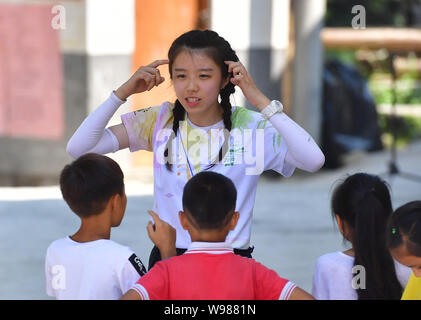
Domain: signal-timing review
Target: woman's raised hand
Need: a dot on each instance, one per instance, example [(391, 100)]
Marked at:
[(144, 79), (240, 77)]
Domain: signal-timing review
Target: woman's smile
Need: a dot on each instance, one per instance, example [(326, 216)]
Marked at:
[(192, 101)]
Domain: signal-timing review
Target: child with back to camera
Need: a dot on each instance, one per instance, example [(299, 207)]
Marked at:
[(209, 269), (201, 131), (88, 265), (361, 205), (404, 242)]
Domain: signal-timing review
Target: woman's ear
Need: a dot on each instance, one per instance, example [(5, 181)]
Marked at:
[(225, 81)]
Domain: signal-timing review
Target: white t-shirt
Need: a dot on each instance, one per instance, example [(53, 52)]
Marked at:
[(254, 146), (100, 270), (333, 277)]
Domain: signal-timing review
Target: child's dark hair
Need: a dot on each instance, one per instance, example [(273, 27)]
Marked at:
[(219, 50), (209, 198), (89, 182), (404, 228), (363, 202)]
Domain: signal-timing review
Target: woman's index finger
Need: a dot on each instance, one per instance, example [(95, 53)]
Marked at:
[(158, 63), (231, 64)]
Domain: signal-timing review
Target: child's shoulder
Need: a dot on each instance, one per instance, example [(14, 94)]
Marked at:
[(332, 256), (116, 249), (59, 243), (109, 247), (335, 260)]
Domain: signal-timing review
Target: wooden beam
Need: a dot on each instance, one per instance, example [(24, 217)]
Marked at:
[(392, 39)]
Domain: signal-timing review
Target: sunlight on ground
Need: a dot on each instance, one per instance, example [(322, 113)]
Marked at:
[(53, 192)]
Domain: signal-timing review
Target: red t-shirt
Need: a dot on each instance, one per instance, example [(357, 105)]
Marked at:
[(211, 271)]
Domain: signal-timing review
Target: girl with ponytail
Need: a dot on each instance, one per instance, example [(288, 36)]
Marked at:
[(403, 236), (201, 131), (361, 206)]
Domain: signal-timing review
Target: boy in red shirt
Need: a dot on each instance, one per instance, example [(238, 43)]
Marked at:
[(209, 269)]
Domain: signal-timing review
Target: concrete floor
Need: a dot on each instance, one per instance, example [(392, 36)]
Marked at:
[(287, 239)]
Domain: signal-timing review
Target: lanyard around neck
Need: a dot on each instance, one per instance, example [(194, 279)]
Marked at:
[(185, 124), (186, 154)]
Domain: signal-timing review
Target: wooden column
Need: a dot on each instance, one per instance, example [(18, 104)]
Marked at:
[(158, 23)]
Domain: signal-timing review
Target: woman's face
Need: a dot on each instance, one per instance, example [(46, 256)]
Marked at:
[(403, 256), (197, 81)]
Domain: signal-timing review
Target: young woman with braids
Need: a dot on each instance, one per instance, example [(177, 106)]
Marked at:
[(204, 70)]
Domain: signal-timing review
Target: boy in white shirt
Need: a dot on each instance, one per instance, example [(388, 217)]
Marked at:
[(88, 265)]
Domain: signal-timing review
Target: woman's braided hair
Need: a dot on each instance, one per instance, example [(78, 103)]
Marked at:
[(219, 50)]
